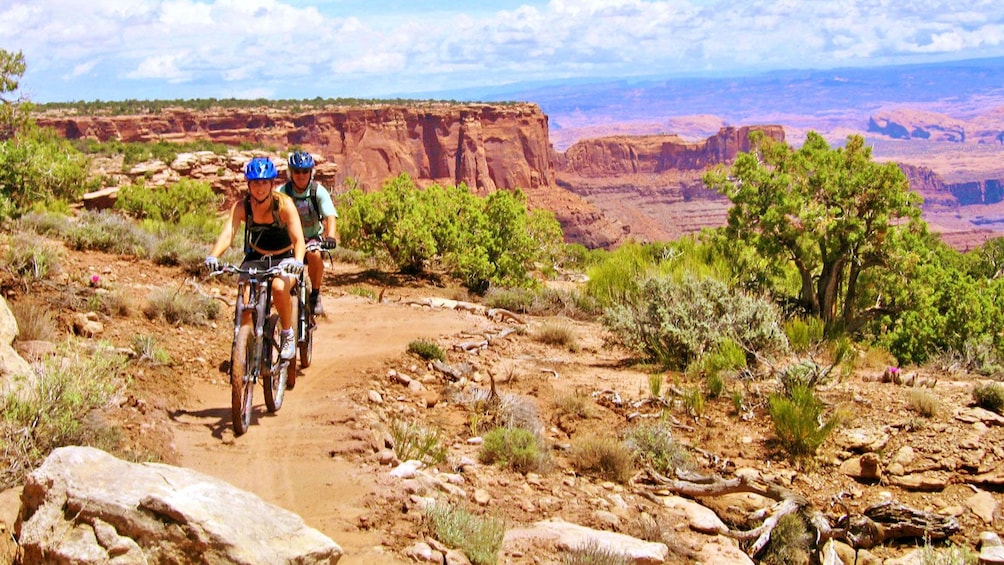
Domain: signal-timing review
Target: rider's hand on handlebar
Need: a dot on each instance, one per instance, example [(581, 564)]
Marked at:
[(329, 243), (291, 266), (212, 264)]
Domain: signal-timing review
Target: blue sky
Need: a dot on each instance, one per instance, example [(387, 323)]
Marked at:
[(145, 49)]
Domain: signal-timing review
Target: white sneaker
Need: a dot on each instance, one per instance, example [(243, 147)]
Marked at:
[(287, 345)]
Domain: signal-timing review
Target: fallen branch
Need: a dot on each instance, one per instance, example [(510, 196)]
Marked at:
[(877, 524)]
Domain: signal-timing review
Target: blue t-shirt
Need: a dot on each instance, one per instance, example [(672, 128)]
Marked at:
[(310, 220)]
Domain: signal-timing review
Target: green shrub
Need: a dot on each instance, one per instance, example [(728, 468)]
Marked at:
[(479, 537), (604, 457), (426, 350), (54, 411), (653, 444), (513, 448), (715, 385), (675, 322), (30, 258), (172, 203), (796, 418), (790, 542), (110, 232), (146, 350), (416, 441), (989, 395), (804, 333)]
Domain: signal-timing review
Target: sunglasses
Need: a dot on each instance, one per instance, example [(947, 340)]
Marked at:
[(300, 171)]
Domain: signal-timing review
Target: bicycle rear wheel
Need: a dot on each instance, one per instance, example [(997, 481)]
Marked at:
[(297, 312), (241, 386), (306, 341), (273, 372)]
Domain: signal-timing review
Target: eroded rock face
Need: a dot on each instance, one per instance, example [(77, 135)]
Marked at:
[(487, 147), (85, 506)]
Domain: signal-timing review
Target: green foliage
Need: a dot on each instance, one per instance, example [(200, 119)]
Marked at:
[(790, 542), (38, 166), (426, 350), (171, 203), (52, 413), (796, 417), (675, 322), (416, 441), (479, 537), (804, 333), (989, 395), (518, 449), (828, 212), (13, 113), (146, 350), (614, 280), (603, 456), (482, 241), (138, 152), (653, 445), (30, 258), (110, 232)]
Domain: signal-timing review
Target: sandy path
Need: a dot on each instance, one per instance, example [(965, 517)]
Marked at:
[(286, 458)]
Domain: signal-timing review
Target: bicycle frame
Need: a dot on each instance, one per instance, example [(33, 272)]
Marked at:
[(254, 354)]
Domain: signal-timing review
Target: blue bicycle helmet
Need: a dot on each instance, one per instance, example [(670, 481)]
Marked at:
[(260, 168), (301, 160)]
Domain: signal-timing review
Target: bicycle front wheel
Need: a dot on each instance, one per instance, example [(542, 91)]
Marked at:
[(273, 370), (241, 385)]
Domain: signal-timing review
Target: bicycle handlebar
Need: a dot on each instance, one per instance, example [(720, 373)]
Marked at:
[(226, 269)]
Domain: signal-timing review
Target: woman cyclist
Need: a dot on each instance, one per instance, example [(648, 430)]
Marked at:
[(272, 235)]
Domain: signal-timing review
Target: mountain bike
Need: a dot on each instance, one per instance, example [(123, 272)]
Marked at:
[(254, 356), (303, 313)]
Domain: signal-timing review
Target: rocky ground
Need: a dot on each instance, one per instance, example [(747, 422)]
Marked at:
[(325, 457)]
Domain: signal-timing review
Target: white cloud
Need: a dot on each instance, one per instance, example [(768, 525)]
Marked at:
[(351, 47)]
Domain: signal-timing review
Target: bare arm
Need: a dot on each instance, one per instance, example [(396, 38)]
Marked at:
[(226, 236), (330, 229)]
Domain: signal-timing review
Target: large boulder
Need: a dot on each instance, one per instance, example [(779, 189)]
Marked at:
[(13, 368), (85, 506)]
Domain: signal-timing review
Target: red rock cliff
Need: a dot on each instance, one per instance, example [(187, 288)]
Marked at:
[(484, 146), (655, 154)]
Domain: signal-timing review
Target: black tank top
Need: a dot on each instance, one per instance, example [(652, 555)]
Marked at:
[(265, 239)]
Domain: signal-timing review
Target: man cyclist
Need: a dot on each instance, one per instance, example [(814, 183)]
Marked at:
[(317, 217), (272, 235)]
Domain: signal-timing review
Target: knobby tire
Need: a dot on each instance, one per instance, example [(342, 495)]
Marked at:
[(291, 370), (273, 375), (306, 343), (242, 389)]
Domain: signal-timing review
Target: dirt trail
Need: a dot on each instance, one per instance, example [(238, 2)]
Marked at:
[(291, 458)]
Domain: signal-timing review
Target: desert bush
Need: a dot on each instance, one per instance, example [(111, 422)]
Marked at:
[(604, 457), (115, 302), (715, 384), (34, 321), (576, 404), (518, 300), (592, 553), (147, 350), (416, 441), (514, 448), (176, 307), (171, 204), (53, 411), (557, 333), (426, 350), (694, 401), (38, 166), (43, 222), (479, 537), (923, 403), (796, 417), (804, 333), (110, 232), (951, 555), (790, 542), (30, 258), (653, 444), (655, 381), (989, 395), (675, 322)]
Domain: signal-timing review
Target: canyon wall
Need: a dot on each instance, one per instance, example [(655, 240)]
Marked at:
[(486, 147)]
